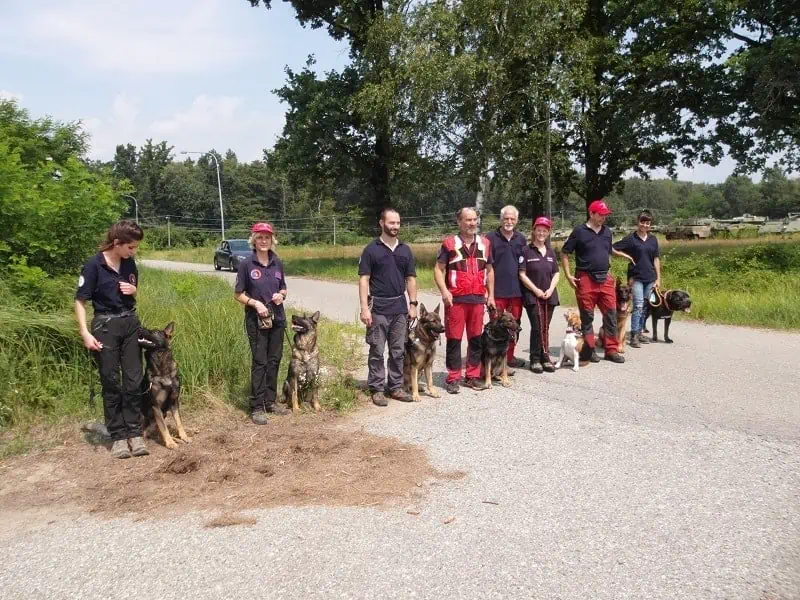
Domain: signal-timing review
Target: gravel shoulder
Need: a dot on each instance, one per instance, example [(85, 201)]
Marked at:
[(675, 475)]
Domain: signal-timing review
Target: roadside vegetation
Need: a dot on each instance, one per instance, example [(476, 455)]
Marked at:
[(732, 282), (45, 371)]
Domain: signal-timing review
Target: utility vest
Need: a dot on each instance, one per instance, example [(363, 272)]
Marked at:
[(466, 273)]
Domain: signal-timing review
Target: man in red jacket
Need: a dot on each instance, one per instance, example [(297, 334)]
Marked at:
[(465, 278)]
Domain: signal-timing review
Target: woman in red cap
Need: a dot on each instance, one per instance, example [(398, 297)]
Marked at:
[(538, 272), (261, 287)]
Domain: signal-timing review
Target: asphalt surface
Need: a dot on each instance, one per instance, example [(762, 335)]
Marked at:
[(675, 475)]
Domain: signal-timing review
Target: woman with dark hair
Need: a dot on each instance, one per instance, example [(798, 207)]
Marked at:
[(644, 272), (538, 273), (110, 279), (261, 287)]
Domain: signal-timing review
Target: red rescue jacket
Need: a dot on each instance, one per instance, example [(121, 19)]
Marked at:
[(465, 273)]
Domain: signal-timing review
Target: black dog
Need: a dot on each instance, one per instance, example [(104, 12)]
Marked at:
[(302, 380), (163, 387), (665, 304), (497, 335)]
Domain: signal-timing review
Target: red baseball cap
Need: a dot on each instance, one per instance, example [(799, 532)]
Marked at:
[(262, 228), (544, 222), (599, 207)]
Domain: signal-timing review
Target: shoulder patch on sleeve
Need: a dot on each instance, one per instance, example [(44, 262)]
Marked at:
[(81, 281), (521, 259)]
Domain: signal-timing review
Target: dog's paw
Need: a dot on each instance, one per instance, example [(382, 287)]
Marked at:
[(621, 350), (416, 398), (434, 394), (506, 384), (171, 444), (185, 439), (576, 367)]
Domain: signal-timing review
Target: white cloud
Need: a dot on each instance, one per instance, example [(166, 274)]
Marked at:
[(218, 122), (143, 37), (6, 95)]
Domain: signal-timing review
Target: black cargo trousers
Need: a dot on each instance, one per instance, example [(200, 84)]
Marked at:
[(120, 365)]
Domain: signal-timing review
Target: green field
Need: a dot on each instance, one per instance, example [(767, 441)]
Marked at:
[(45, 371), (734, 282)]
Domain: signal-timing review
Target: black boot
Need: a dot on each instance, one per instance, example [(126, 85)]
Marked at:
[(635, 340)]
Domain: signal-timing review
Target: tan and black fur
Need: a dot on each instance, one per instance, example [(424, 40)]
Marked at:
[(497, 335), (163, 383), (302, 381), (624, 310), (420, 352)]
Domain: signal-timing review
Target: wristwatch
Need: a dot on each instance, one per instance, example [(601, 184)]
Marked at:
[(414, 303)]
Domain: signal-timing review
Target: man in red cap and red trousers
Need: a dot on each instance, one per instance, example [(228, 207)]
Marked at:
[(593, 282)]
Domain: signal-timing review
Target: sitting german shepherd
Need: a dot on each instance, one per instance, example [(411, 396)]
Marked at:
[(164, 384), (302, 380), (420, 352), (624, 309), (497, 335)]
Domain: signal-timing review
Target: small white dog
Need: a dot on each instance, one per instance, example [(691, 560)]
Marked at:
[(572, 344)]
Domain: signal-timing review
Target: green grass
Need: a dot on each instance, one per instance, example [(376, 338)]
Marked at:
[(45, 371), (734, 282)]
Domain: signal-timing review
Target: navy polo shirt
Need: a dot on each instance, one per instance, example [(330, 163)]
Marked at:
[(644, 252), (100, 284), (540, 269), (504, 254), (387, 272), (261, 282), (592, 250)]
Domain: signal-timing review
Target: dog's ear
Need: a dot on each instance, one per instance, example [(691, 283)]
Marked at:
[(422, 310), (169, 329), (315, 317), (436, 310)]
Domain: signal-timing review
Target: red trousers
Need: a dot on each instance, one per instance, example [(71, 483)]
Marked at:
[(514, 306), (604, 296), (457, 318)]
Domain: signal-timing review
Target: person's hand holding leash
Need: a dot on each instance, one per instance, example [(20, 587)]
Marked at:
[(491, 303), (127, 288), (90, 342), (412, 312), (366, 317)]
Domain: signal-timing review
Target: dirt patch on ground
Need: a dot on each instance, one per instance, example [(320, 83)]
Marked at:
[(230, 465)]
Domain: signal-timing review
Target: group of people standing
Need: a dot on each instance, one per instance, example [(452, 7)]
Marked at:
[(501, 270)]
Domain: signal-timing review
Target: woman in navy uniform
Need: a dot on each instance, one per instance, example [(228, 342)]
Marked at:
[(110, 280), (261, 287), (538, 272)]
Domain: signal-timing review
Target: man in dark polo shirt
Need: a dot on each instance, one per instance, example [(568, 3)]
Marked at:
[(386, 270), (593, 282), (507, 244)]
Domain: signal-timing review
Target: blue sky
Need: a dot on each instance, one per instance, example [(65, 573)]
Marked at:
[(198, 74)]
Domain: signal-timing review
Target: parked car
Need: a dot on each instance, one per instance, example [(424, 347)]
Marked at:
[(230, 253)]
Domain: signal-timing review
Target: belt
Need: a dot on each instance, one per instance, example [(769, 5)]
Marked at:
[(118, 315)]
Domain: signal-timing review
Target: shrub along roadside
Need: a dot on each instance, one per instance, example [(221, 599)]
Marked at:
[(45, 371)]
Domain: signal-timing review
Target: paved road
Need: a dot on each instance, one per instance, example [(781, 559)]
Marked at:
[(676, 475)]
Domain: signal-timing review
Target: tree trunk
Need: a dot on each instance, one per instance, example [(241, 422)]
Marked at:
[(380, 177)]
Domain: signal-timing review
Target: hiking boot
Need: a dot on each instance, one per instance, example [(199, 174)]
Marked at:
[(635, 341), (615, 357), (277, 408), (476, 384), (378, 399), (594, 358), (259, 416), (536, 367), (452, 387), (548, 367), (137, 446), (643, 339), (119, 449), (516, 363), (400, 395)]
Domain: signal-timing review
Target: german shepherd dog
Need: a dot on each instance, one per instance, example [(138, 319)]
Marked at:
[(497, 335), (624, 309), (302, 380), (665, 304), (164, 385), (420, 352)]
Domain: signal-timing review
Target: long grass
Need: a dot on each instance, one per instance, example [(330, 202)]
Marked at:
[(736, 282), (45, 371)]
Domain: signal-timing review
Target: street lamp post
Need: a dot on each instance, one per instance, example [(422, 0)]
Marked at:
[(135, 203), (219, 186)]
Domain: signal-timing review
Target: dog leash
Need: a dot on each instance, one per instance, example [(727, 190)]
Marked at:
[(661, 297)]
